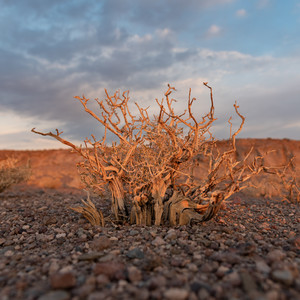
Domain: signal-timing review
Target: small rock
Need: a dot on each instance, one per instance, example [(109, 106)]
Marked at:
[(60, 235), (152, 262), (177, 262), (222, 270), (262, 267), (141, 294), (66, 269), (246, 248), (108, 257), (9, 253), (171, 235), (97, 296), (233, 278), (54, 267), (158, 241), (296, 242), (133, 232), (265, 226), (113, 270), (226, 257), (207, 268), (283, 276), (62, 280), (101, 243), (192, 267), (257, 237), (248, 282), (203, 294), (134, 274), (90, 256), (157, 282), (272, 295), (275, 255), (153, 233), (292, 234), (176, 294), (214, 245), (102, 280), (55, 295), (196, 286), (135, 253), (84, 291), (49, 220)]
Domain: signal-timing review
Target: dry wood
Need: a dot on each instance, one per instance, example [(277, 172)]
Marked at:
[(150, 167)]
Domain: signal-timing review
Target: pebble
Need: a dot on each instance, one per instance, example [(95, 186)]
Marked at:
[(135, 253), (133, 232), (233, 278), (176, 294), (284, 276), (113, 270), (262, 267), (97, 296), (62, 280), (157, 282), (101, 243), (60, 235), (222, 270), (248, 282), (90, 256), (158, 241), (203, 294), (8, 253), (275, 255), (55, 295), (102, 280), (134, 274), (226, 257), (171, 235), (196, 286), (296, 242)]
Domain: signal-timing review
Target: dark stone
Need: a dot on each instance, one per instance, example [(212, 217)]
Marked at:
[(197, 285), (135, 253)]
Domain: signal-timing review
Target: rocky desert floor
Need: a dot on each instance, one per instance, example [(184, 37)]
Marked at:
[(47, 251)]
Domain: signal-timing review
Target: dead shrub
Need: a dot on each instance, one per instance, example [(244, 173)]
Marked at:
[(150, 168), (11, 173)]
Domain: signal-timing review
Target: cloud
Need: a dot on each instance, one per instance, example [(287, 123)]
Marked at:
[(241, 13), (60, 50), (261, 4), (213, 30), (145, 64)]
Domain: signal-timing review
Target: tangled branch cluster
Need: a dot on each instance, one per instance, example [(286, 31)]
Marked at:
[(149, 168)]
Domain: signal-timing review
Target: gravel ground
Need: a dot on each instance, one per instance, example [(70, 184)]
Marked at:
[(250, 251)]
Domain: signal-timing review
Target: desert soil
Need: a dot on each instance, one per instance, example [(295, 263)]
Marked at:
[(250, 251)]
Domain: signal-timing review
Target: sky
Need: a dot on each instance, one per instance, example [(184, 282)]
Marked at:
[(51, 51)]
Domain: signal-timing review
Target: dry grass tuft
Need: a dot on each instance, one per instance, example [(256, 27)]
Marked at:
[(11, 174), (90, 212)]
